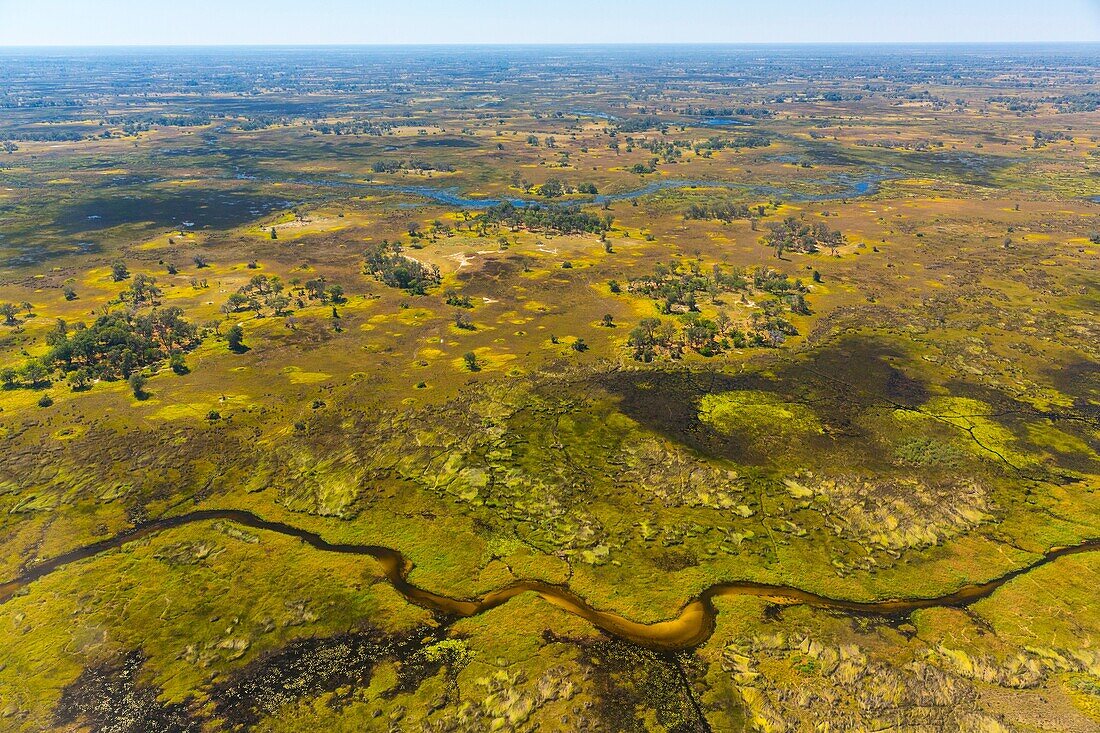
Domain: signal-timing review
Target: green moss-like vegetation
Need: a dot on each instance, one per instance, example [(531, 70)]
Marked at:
[(757, 415)]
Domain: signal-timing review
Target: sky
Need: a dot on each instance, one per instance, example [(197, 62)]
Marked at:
[(304, 22)]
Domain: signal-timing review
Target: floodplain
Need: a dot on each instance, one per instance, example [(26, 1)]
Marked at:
[(570, 388)]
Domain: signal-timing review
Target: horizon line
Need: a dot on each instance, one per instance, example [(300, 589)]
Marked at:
[(549, 44)]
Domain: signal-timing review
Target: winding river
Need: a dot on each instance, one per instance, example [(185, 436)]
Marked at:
[(691, 627)]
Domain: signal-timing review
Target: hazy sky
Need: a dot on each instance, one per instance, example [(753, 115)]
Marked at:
[(138, 22)]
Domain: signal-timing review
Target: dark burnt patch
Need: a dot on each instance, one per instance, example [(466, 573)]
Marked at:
[(668, 403), (850, 375), (1080, 379), (837, 382), (634, 683), (308, 667), (414, 671), (107, 699), (446, 142), (905, 390), (202, 209), (1024, 421), (674, 560)]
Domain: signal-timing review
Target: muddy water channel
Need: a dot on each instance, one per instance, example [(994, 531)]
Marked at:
[(694, 624)]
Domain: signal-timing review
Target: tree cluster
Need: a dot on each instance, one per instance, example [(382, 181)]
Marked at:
[(675, 288), (725, 112), (417, 165), (639, 124), (653, 337), (795, 236), (737, 142), (351, 128), (258, 293), (115, 346), (723, 212), (386, 264), (560, 219)]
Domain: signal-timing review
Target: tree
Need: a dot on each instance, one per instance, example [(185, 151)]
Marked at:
[(201, 261), (315, 288), (68, 292), (463, 321), (234, 303), (177, 363), (608, 321), (137, 385), (274, 235), (235, 337), (119, 342), (119, 271), (280, 303), (142, 289), (551, 189), (59, 336), (470, 358), (8, 311), (35, 372), (579, 345), (78, 379), (644, 338), (799, 305)]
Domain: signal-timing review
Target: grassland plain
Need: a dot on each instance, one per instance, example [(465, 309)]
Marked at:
[(846, 348)]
